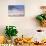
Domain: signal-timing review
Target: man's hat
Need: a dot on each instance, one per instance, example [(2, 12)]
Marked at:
[(42, 7)]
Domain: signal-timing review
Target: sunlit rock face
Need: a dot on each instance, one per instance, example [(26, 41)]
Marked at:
[(2, 38)]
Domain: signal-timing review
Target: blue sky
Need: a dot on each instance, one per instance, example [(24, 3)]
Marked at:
[(16, 7)]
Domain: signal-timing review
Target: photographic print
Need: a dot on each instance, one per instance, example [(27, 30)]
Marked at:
[(15, 10)]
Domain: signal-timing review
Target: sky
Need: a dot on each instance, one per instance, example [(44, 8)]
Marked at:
[(16, 7)]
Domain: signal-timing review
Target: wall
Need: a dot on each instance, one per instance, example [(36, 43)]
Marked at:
[(26, 25)]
